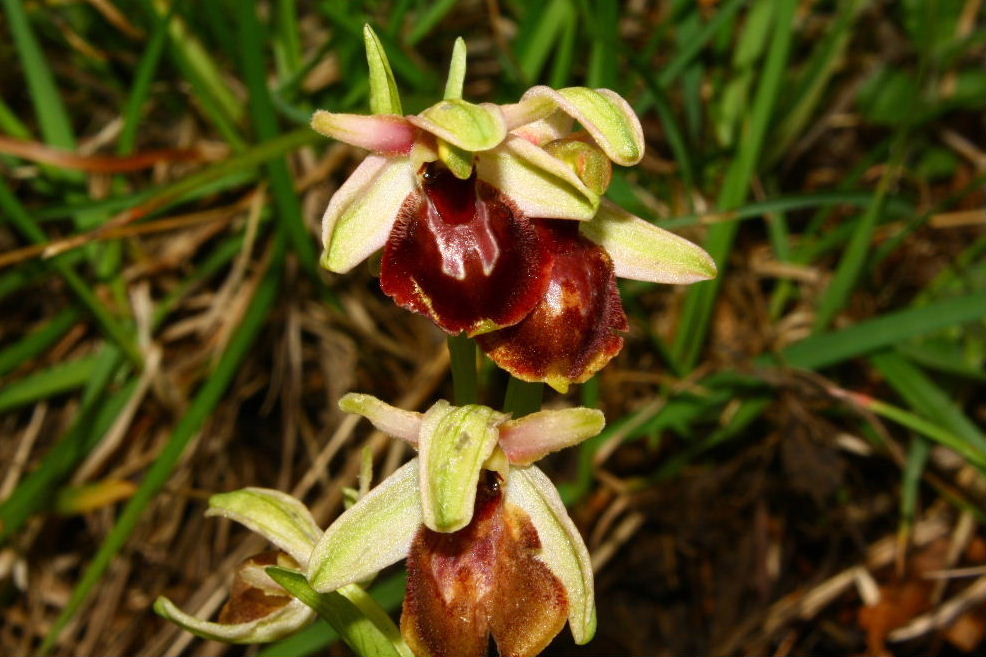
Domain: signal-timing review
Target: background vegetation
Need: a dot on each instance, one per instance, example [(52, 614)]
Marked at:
[(794, 457)]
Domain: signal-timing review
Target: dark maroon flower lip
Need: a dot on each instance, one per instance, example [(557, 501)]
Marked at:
[(463, 255), (573, 331)]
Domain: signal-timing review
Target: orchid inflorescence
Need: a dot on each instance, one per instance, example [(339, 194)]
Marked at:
[(492, 223)]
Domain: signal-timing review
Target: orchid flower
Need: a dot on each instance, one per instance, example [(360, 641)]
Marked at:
[(492, 221), (489, 545), (258, 610)]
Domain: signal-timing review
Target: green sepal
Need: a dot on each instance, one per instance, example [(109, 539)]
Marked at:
[(456, 71), (374, 533), (278, 517), (384, 98)]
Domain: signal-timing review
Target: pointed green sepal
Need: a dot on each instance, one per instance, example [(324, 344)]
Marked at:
[(454, 443), (361, 213), (643, 252), (384, 98), (284, 622), (456, 71), (374, 533), (278, 517)]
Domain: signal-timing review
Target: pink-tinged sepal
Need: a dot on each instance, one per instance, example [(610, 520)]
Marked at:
[(462, 255), (532, 437), (362, 212), (574, 329), (386, 134)]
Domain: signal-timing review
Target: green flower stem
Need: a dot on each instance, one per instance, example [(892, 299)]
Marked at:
[(360, 621), (522, 398), (462, 351)]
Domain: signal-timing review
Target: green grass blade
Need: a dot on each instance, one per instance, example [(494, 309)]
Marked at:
[(287, 47), (533, 53), (697, 41), (825, 349), (701, 298), (11, 124), (943, 355), (26, 224), (562, 62), (854, 259), (62, 377), (95, 416), (893, 205), (975, 456), (925, 397), (917, 458), (141, 86), (462, 352), (188, 427), (289, 219), (432, 15), (53, 117), (604, 26), (825, 62), (37, 340), (735, 93), (215, 99)]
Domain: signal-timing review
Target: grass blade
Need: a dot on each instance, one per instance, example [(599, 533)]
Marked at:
[(65, 376), (26, 224), (697, 311), (925, 397), (93, 420), (289, 220), (48, 106), (37, 341), (825, 349)]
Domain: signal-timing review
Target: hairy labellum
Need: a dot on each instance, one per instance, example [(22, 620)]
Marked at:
[(572, 332), (482, 580)]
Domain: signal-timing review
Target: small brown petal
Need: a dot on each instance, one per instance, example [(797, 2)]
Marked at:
[(482, 579), (462, 255), (247, 601), (573, 331)]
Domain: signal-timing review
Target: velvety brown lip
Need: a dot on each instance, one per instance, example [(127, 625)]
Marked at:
[(480, 581), (574, 329)]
